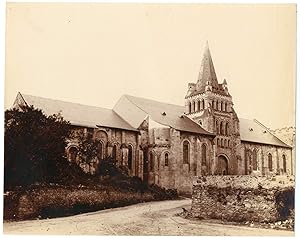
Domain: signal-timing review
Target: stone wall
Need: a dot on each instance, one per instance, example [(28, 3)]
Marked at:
[(109, 138), (243, 198), (176, 173), (288, 135)]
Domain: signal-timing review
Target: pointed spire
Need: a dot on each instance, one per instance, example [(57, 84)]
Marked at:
[(207, 71)]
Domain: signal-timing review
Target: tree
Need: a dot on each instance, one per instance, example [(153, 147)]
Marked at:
[(34, 146), (87, 147)]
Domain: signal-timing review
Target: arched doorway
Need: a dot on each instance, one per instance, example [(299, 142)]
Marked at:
[(222, 165)]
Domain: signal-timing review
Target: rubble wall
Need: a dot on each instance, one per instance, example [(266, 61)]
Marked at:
[(243, 198)]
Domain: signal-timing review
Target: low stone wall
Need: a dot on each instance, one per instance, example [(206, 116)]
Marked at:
[(243, 198)]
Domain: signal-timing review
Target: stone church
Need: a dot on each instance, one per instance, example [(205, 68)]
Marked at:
[(167, 144)]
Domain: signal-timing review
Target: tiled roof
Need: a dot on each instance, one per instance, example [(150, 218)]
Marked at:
[(78, 114), (254, 131), (135, 109)]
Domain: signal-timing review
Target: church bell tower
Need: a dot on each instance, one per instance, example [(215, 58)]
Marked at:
[(210, 105)]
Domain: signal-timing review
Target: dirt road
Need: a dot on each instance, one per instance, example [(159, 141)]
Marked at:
[(153, 218)]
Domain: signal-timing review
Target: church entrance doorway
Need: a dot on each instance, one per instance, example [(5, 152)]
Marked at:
[(222, 165)]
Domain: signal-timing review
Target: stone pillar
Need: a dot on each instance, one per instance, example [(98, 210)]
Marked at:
[(175, 159), (138, 157), (187, 106), (124, 150), (263, 171), (199, 163), (214, 160), (141, 164), (277, 162), (195, 157)]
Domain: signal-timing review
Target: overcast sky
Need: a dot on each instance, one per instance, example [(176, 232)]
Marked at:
[(94, 53)]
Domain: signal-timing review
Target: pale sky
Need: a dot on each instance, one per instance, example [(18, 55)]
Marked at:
[(93, 53)]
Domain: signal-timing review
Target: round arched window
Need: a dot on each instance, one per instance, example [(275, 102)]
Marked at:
[(166, 159)]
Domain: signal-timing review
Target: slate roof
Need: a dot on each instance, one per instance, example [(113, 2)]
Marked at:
[(130, 111), (78, 114), (135, 109), (256, 132), (207, 70)]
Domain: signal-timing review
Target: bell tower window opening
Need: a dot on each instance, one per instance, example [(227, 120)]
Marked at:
[(221, 128), (193, 106)]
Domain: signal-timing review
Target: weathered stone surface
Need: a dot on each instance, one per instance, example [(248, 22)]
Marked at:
[(243, 198)]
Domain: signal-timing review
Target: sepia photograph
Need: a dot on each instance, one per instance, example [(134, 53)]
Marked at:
[(149, 119)]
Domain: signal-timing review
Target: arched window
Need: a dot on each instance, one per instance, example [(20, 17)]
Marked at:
[(203, 104), (228, 143), (100, 150), (217, 127), (218, 142), (254, 160), (226, 110), (130, 157), (151, 158), (166, 159), (193, 106), (284, 163), (225, 143), (270, 162), (114, 152), (227, 129), (186, 152), (213, 104), (73, 153), (221, 106), (203, 154), (221, 128), (198, 103), (190, 107), (222, 143)]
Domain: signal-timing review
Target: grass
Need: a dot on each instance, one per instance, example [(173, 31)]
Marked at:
[(76, 192)]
